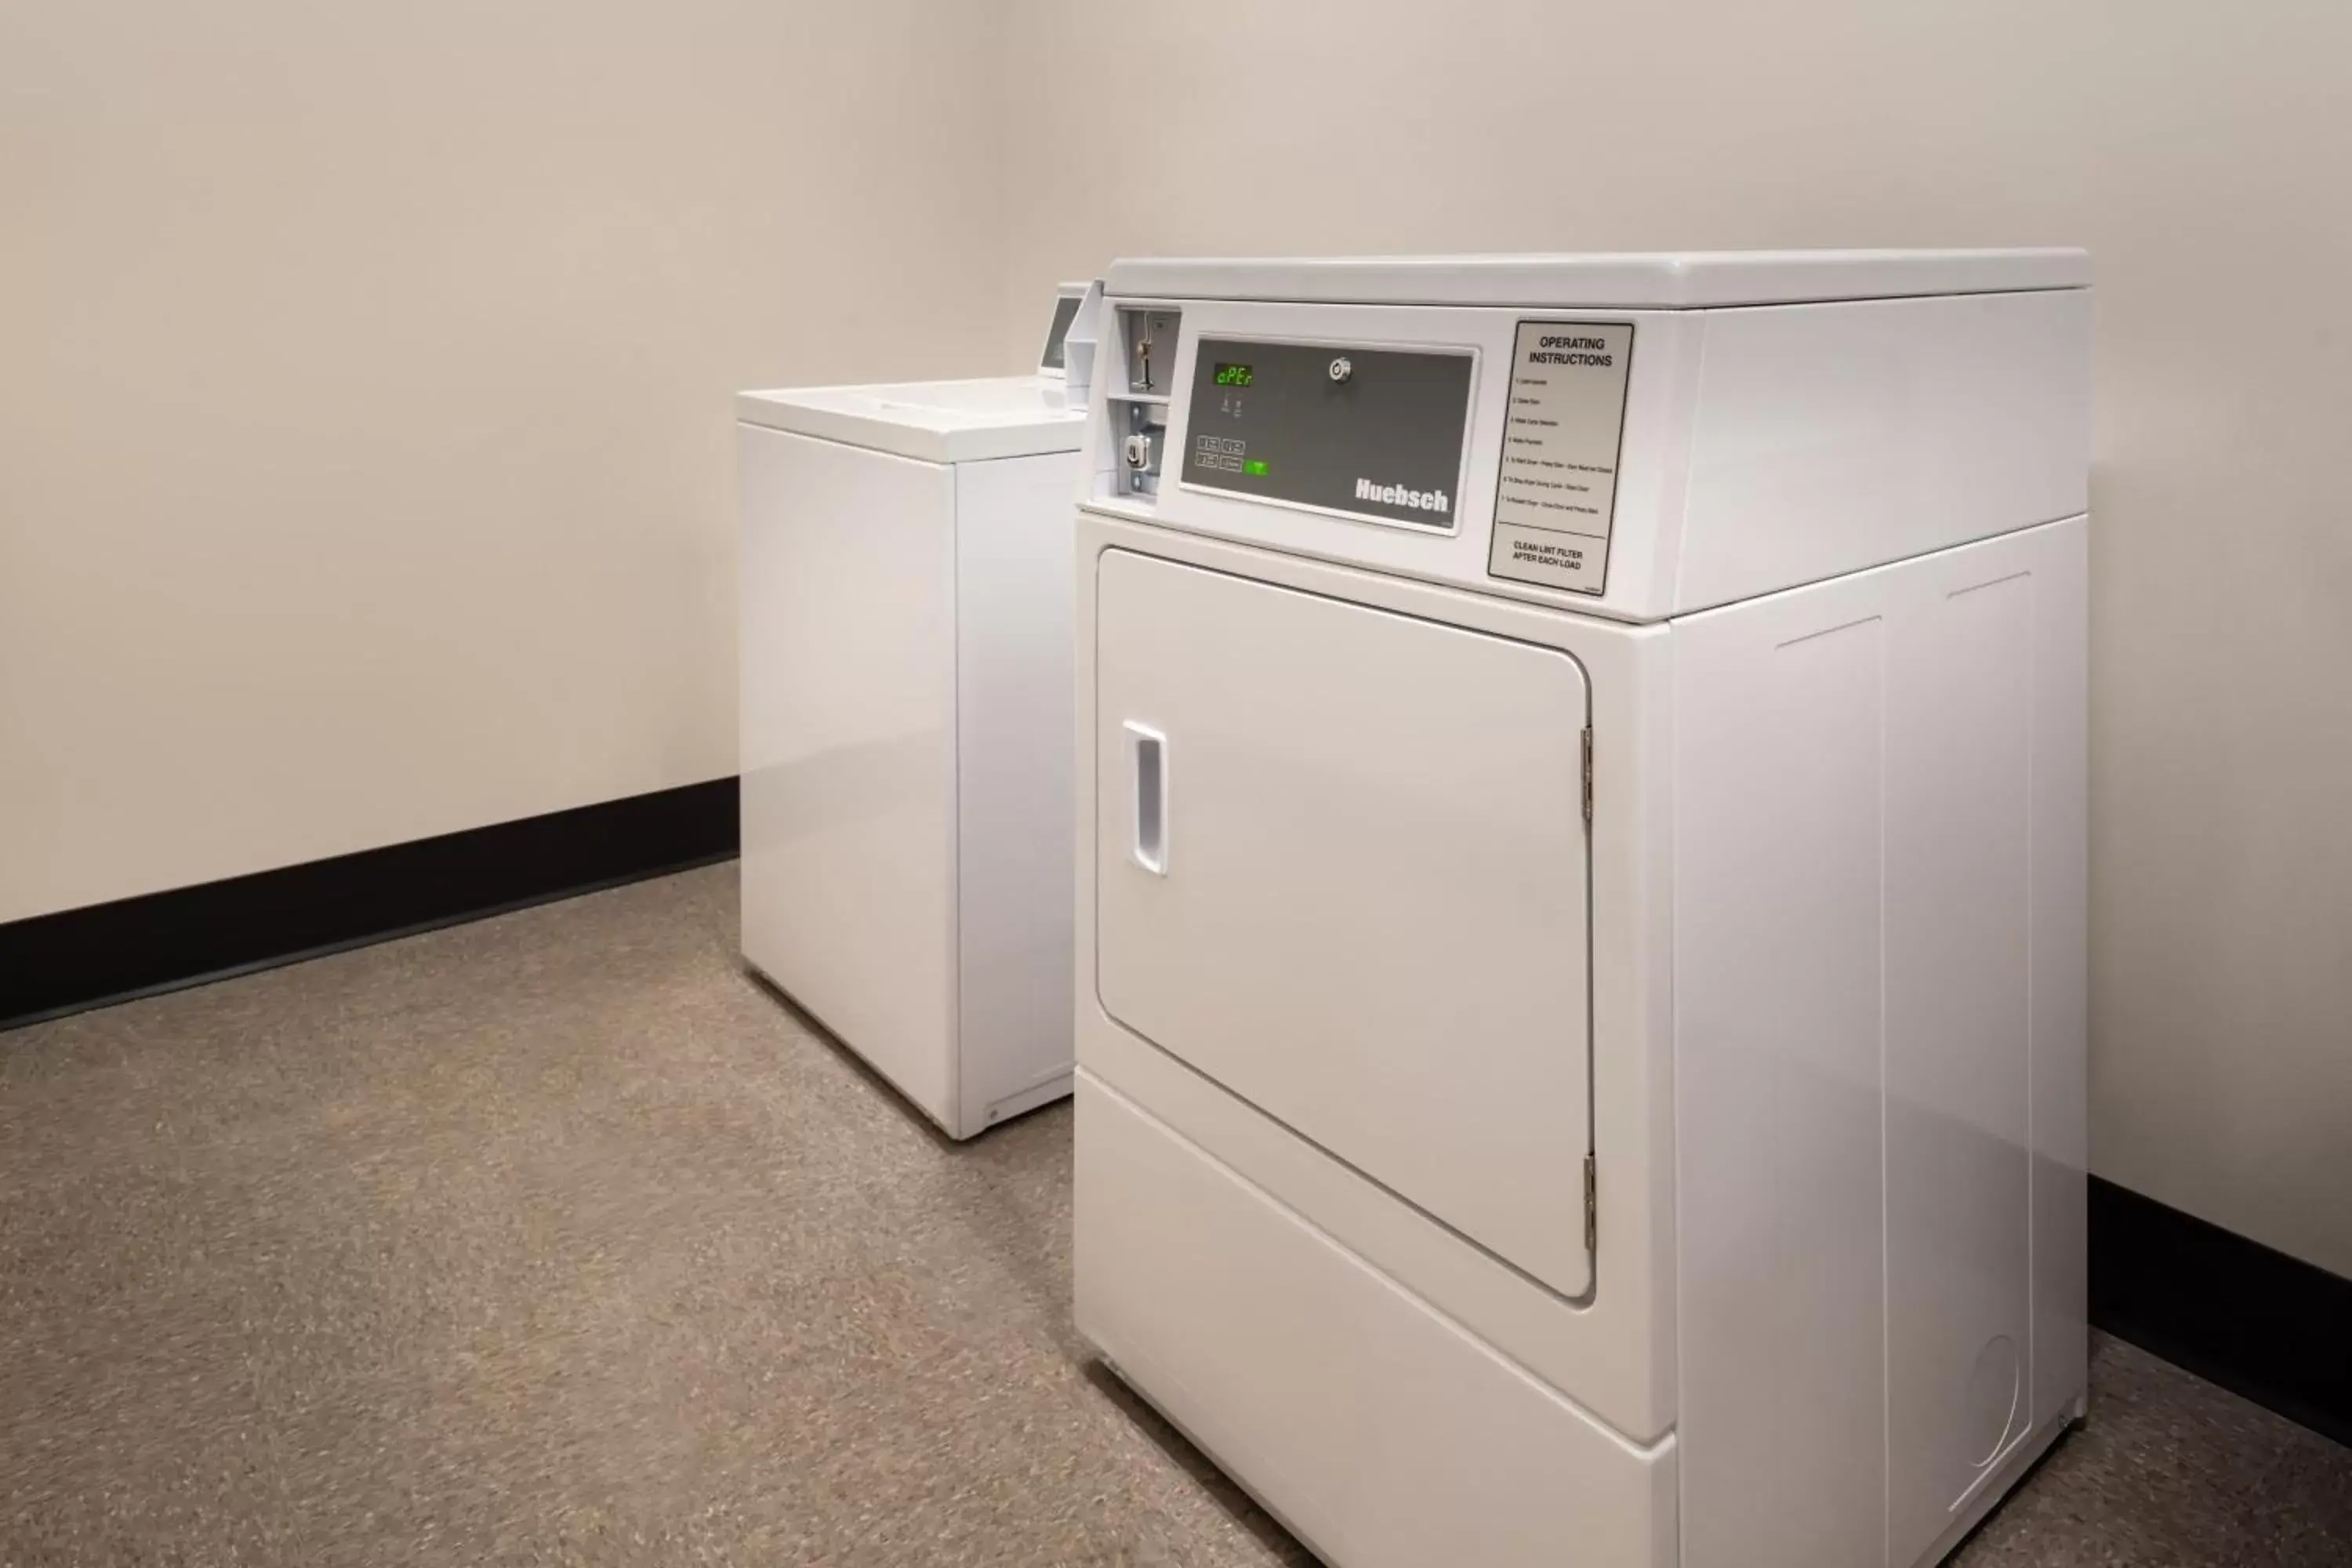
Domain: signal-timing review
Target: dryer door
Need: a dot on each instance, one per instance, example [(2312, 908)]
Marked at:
[(1340, 870)]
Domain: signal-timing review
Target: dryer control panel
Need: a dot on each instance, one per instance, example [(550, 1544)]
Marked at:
[(1632, 461), (1499, 449), (1372, 433)]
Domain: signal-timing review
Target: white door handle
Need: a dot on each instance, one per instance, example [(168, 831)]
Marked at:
[(1147, 755)]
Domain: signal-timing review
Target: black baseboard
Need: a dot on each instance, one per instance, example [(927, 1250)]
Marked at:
[(2260, 1323), (62, 963)]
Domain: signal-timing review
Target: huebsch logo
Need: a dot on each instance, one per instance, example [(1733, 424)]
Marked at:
[(1397, 495)]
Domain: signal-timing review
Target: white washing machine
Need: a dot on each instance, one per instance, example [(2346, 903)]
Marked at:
[(1581, 904), (905, 722)]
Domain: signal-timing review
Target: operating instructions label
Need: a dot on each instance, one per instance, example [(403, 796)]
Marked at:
[(1555, 496)]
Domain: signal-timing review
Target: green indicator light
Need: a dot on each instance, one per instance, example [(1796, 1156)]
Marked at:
[(1254, 466)]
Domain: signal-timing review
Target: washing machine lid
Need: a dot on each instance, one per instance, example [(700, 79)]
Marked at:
[(1664, 280), (935, 421)]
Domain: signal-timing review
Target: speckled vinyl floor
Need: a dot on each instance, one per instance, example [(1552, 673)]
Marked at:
[(554, 1239)]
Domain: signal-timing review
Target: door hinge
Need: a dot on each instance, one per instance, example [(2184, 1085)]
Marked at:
[(1588, 774), (1592, 1206)]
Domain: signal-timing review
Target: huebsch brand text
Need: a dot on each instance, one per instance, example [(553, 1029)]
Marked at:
[(1397, 495)]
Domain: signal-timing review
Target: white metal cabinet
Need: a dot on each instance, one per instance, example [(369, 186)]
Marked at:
[(1834, 877), (848, 785), (1321, 861), (905, 709)]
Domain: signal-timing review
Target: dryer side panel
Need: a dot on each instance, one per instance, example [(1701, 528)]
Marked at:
[(1830, 439), (1878, 1047), (1959, 762), (2060, 1017), (1779, 916)]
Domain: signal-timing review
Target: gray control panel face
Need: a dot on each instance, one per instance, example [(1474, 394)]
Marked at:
[(1370, 433)]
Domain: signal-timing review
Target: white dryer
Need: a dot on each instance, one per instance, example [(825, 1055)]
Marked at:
[(1580, 905), (905, 720)]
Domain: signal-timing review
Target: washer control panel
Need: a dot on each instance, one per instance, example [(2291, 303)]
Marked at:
[(1376, 434)]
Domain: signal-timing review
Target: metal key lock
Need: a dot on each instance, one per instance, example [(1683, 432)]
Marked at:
[(1142, 329)]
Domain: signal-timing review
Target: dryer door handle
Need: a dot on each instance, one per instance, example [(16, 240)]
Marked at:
[(1147, 755)]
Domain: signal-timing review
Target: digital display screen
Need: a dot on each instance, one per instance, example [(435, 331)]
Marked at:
[(1235, 375)]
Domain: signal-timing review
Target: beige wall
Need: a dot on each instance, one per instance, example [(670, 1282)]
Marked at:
[(2204, 153), (366, 463)]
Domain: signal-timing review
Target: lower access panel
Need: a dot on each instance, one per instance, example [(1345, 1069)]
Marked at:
[(1340, 870), (1372, 1426)]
